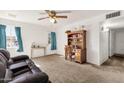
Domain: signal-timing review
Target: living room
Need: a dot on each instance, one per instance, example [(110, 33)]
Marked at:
[(40, 37)]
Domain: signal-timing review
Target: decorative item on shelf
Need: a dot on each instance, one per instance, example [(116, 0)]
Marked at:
[(75, 29), (83, 27), (38, 46), (33, 45), (73, 57)]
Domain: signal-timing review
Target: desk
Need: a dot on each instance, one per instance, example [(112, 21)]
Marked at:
[(38, 48)]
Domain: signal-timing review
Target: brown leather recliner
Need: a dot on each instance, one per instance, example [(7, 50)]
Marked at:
[(20, 69)]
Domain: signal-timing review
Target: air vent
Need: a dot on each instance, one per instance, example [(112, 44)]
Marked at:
[(114, 14)]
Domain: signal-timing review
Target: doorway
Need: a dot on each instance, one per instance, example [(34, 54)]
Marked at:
[(112, 42), (116, 47)]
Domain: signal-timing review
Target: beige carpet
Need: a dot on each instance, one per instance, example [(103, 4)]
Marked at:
[(62, 71)]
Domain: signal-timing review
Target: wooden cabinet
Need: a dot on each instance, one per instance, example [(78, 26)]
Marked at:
[(78, 54), (75, 50)]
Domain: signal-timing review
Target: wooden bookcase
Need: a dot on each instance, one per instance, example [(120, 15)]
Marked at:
[(75, 50)]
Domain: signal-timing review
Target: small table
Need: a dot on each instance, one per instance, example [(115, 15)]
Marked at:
[(43, 47)]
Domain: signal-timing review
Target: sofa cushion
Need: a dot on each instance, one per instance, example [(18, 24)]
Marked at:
[(19, 72)]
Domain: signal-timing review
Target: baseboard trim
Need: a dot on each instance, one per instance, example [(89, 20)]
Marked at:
[(119, 55)]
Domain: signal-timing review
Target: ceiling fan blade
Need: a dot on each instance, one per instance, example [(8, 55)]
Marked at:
[(61, 17), (66, 11), (42, 18)]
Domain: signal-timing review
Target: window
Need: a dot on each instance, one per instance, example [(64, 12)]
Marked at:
[(11, 38)]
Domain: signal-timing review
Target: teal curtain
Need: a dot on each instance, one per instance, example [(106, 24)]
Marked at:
[(53, 41), (19, 38), (2, 36)]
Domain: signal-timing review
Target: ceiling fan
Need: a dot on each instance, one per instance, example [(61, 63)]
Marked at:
[(53, 15)]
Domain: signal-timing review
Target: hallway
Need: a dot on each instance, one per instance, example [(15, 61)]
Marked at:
[(115, 61)]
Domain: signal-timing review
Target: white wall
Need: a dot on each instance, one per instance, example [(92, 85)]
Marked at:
[(119, 41), (104, 46), (112, 42), (61, 41), (30, 33), (93, 49)]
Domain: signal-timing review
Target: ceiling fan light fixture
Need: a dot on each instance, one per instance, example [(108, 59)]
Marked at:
[(53, 15), (52, 20)]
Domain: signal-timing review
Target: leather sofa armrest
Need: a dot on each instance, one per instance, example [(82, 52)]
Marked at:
[(19, 58), (32, 78)]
